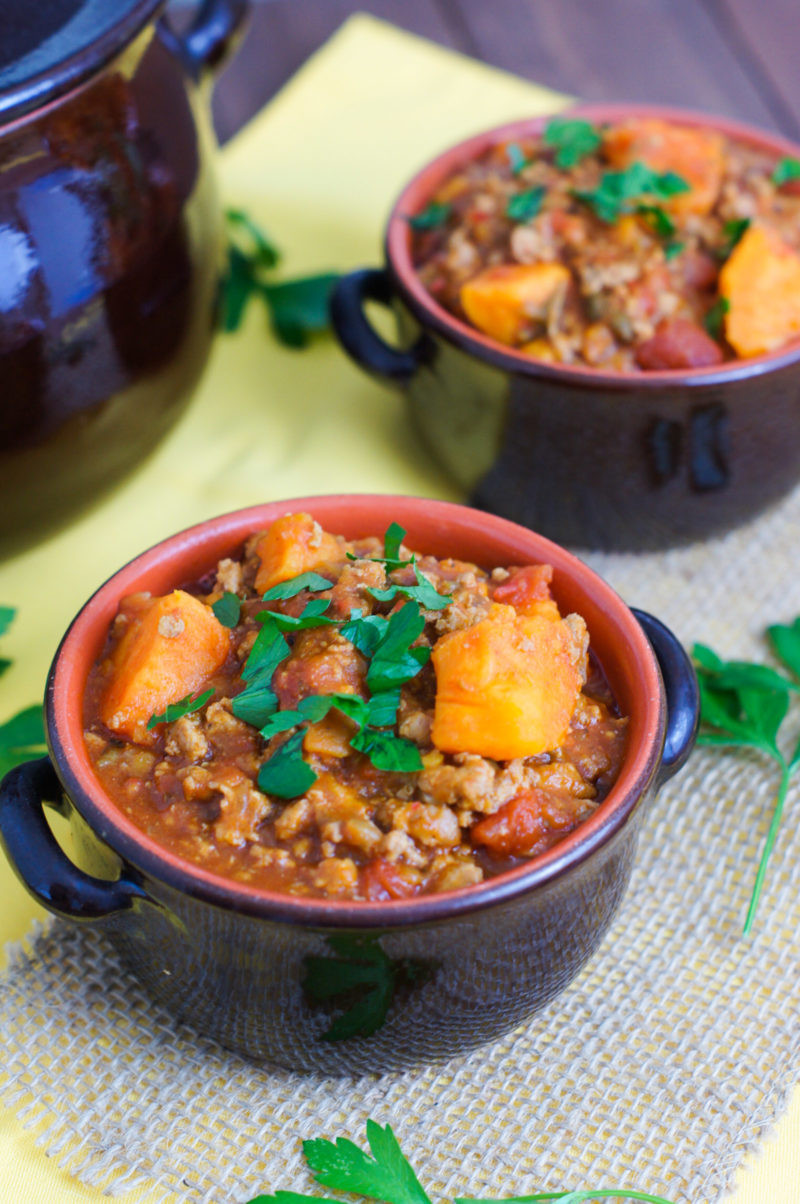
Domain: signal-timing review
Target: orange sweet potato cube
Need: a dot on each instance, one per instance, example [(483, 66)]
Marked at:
[(507, 686), (506, 300), (170, 649), (698, 155), (294, 544), (761, 282)]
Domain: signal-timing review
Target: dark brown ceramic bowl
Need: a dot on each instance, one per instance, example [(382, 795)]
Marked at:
[(587, 457), (349, 986), (111, 244)]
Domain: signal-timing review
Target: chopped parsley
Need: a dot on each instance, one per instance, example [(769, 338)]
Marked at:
[(433, 215), (228, 609), (787, 169), (525, 205), (176, 710), (517, 159), (286, 774), (732, 232), (714, 320), (631, 190), (673, 248), (572, 138), (658, 219)]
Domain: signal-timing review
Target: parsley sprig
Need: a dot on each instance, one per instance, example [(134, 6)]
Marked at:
[(21, 736), (297, 308), (743, 705), (433, 215), (573, 139), (526, 204), (385, 1174), (388, 643), (786, 169), (637, 189), (176, 710)]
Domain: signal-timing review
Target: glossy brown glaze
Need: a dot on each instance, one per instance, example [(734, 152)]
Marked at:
[(110, 254)]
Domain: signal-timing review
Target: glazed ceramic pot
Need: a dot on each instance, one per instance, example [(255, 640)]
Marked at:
[(111, 243), (590, 458), (317, 984)]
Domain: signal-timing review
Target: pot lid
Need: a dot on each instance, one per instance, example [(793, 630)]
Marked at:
[(48, 46)]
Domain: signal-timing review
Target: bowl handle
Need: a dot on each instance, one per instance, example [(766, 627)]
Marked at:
[(38, 860), (356, 334), (682, 693), (211, 37)]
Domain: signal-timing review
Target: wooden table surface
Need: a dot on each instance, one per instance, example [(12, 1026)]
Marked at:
[(735, 57)]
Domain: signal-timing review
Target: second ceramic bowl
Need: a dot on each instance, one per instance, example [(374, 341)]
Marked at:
[(588, 457)]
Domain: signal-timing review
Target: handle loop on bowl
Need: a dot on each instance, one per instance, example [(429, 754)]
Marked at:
[(211, 37), (356, 334), (37, 858), (682, 692)]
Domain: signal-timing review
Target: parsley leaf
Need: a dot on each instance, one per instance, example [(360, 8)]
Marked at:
[(516, 158), (228, 609), (658, 219), (394, 660), (7, 616), (262, 251), (176, 710), (22, 738), (295, 585), (424, 592), (313, 616), (299, 308), (787, 169), (258, 700), (618, 191), (286, 774), (386, 1175), (433, 215), (525, 205), (392, 542), (394, 754), (732, 231), (743, 705), (714, 321), (573, 139), (673, 248), (364, 631)]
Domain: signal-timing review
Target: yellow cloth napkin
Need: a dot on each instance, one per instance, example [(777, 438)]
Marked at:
[(319, 168)]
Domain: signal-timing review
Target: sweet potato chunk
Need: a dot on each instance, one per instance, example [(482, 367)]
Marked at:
[(695, 154), (507, 686), (506, 300), (170, 649), (761, 281), (294, 544)]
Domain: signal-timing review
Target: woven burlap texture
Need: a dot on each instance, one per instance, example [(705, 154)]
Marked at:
[(656, 1069)]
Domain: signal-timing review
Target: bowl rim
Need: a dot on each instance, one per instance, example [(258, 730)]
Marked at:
[(202, 545), (429, 313)]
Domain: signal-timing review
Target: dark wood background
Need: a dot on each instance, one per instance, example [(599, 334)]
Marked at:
[(737, 57)]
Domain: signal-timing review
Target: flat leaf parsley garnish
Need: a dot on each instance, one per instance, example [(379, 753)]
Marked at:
[(517, 159), (714, 320), (176, 710), (787, 169), (573, 139), (743, 705), (386, 642), (433, 215), (732, 232), (386, 1175), (637, 189), (525, 205), (297, 308), (22, 736), (227, 609)]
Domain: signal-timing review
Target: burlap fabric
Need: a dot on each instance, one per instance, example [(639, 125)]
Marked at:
[(656, 1069)]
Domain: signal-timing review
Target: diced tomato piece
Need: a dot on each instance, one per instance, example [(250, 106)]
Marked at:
[(678, 343), (525, 585), (518, 829), (381, 880), (699, 269)]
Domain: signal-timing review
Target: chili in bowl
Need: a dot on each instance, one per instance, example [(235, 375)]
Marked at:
[(334, 793), (599, 317)]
